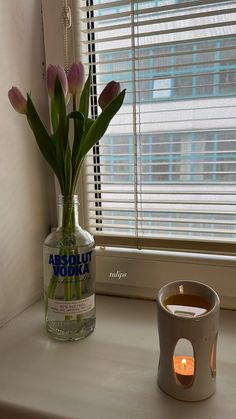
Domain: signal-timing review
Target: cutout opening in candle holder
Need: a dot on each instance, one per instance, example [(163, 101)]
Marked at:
[(188, 319), (184, 362)]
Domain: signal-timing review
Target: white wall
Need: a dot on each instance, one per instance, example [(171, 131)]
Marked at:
[(25, 180)]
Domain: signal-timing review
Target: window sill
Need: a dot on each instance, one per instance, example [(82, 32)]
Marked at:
[(111, 374), (140, 273)]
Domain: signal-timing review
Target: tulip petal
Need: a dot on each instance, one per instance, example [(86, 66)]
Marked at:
[(76, 78), (63, 79), (51, 77), (17, 100), (52, 72), (111, 90)]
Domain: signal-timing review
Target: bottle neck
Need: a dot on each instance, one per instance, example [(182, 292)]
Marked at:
[(68, 213)]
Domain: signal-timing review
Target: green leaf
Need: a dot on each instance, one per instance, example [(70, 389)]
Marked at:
[(59, 99), (43, 139), (76, 157), (59, 156), (68, 171), (89, 124), (76, 115), (61, 133), (85, 95), (76, 174), (60, 108), (100, 125), (54, 115), (78, 134)]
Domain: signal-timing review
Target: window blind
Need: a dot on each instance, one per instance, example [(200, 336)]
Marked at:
[(164, 175)]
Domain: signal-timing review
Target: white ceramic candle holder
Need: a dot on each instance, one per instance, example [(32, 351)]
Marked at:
[(189, 378)]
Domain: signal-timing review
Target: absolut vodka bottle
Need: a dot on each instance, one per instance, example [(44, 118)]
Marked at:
[(69, 276)]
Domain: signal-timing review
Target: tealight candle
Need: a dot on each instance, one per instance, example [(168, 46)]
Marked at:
[(184, 369), (184, 365)]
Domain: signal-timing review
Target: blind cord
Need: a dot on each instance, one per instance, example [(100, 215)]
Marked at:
[(66, 21)]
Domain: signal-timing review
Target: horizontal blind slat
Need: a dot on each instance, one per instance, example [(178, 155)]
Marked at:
[(164, 211), (160, 193), (168, 19), (119, 3), (165, 219), (165, 229), (150, 10), (163, 32), (167, 204), (165, 55)]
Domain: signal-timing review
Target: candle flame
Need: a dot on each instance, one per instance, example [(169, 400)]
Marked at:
[(184, 362)]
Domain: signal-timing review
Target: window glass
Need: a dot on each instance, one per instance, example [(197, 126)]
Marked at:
[(183, 86), (184, 55), (205, 55), (204, 85), (228, 82), (161, 88)]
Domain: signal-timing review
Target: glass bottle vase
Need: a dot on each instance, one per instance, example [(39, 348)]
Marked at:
[(69, 276)]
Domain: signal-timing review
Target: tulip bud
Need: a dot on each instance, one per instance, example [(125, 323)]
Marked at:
[(54, 71), (109, 93), (76, 78), (17, 100)]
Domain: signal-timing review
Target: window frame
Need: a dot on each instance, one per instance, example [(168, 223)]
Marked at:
[(146, 270)]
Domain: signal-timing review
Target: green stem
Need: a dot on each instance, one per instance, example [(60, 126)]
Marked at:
[(68, 294), (76, 176), (78, 290), (67, 227), (74, 103)]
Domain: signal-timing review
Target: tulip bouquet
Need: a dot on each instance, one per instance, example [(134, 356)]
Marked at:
[(65, 156), (66, 159)]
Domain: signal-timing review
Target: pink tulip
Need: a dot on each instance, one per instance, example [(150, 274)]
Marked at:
[(17, 100), (109, 93), (54, 71), (76, 78)]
